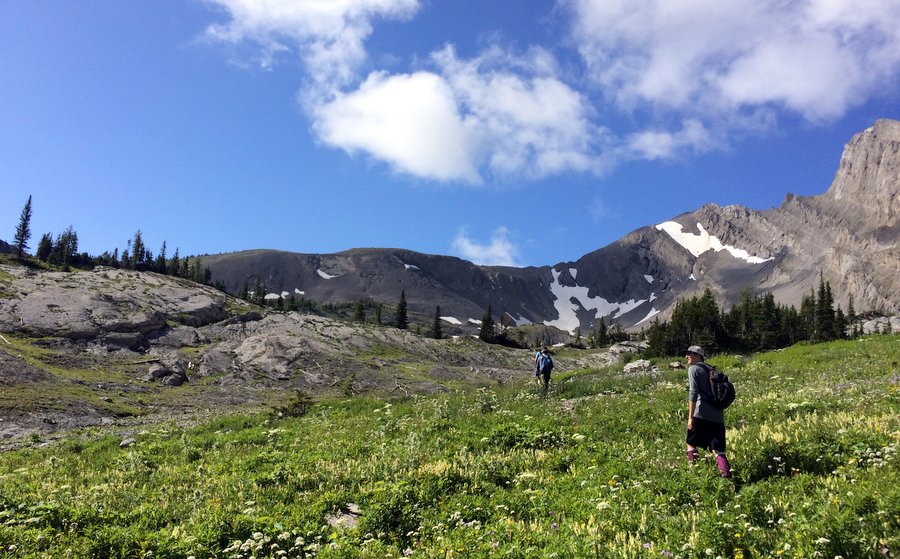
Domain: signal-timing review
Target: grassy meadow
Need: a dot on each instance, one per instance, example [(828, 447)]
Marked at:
[(595, 468)]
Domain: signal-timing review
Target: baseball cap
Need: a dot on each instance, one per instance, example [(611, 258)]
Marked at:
[(697, 349)]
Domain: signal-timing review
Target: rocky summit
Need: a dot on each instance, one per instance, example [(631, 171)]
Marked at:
[(848, 235)]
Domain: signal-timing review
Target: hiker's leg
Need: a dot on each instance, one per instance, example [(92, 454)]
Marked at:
[(692, 454), (717, 444), (723, 464)]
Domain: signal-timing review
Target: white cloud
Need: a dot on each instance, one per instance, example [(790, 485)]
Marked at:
[(499, 252), (817, 58), (505, 114), (535, 124), (330, 34), (691, 73), (410, 121)]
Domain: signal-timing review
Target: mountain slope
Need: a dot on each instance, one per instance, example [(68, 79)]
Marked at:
[(849, 234)]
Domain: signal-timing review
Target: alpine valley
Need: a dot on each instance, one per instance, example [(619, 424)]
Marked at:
[(110, 346)]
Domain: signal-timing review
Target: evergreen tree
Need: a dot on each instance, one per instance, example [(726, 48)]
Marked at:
[(23, 230), (45, 247), (359, 312), (65, 249), (840, 324), (160, 265), (602, 334), (259, 292), (851, 317), (402, 321), (174, 266), (138, 251), (436, 331), (378, 314), (824, 312), (487, 326)]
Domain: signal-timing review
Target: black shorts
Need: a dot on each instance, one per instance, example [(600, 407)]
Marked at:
[(708, 435)]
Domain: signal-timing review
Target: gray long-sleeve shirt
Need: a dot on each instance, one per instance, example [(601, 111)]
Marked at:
[(699, 391)]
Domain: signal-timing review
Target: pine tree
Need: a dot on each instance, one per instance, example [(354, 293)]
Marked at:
[(486, 333), (174, 266), (402, 321), (824, 312), (160, 265), (45, 247), (359, 313), (436, 331), (138, 251), (378, 314), (23, 230)]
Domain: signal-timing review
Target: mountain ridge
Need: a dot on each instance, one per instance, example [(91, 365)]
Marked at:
[(848, 235)]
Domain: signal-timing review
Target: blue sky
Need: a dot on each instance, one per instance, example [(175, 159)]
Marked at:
[(517, 132)]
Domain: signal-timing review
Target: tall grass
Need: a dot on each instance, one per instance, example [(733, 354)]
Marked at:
[(594, 469)]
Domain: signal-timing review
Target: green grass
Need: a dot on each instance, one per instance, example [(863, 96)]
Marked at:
[(594, 469)]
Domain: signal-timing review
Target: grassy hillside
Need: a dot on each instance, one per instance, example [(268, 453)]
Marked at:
[(594, 469)]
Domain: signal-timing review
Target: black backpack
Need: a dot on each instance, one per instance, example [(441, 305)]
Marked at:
[(721, 389)]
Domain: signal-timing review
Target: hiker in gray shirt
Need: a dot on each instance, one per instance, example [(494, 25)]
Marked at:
[(706, 423)]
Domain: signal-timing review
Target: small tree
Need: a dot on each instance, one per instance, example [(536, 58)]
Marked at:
[(402, 321), (487, 326), (45, 247), (138, 251), (23, 230), (359, 313), (436, 331), (378, 314)]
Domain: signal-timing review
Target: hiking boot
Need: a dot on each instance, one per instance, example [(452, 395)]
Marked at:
[(723, 465), (692, 455)]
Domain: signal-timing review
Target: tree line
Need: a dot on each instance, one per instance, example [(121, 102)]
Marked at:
[(62, 250), (756, 323)]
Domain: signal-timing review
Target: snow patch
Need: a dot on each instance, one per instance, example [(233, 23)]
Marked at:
[(520, 320), (574, 273), (698, 244), (298, 292), (649, 278), (653, 312), (451, 320), (323, 275), (569, 299), (272, 296), (475, 322), (411, 267), (691, 277)]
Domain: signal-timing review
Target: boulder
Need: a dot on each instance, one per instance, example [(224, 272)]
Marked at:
[(639, 366)]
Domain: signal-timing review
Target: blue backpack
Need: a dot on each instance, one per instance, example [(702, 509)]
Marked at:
[(545, 364)]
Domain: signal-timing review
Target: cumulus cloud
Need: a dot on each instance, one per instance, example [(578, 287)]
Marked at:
[(688, 75), (534, 123), (410, 121), (817, 58), (504, 114), (500, 251), (329, 34)]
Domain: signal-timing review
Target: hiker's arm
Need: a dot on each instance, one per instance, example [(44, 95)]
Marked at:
[(692, 396)]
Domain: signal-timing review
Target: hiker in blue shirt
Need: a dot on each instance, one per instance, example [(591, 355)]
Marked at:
[(544, 367), (706, 423)]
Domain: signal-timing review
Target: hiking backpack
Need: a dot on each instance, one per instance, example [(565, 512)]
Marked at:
[(721, 389), (545, 364)]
